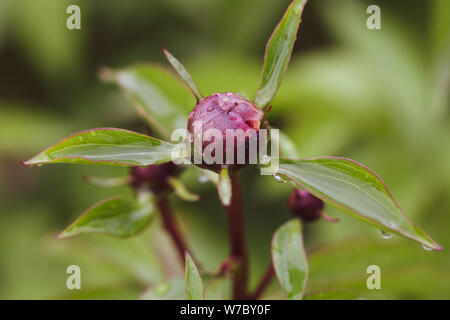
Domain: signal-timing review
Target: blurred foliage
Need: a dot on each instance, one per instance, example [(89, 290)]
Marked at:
[(380, 97)]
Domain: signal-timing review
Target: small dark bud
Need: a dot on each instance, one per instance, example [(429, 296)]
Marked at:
[(305, 206), (155, 176), (225, 111)]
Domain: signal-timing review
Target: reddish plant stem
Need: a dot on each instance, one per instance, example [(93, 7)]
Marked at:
[(263, 283), (238, 246), (171, 225)]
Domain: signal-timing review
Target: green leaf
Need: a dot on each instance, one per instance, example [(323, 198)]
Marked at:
[(157, 95), (355, 189), (289, 259), (278, 53), (172, 289), (224, 187), (182, 72), (116, 216), (194, 284), (106, 146)]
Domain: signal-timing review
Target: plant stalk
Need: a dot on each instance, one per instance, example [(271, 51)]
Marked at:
[(238, 245), (264, 282), (171, 225)]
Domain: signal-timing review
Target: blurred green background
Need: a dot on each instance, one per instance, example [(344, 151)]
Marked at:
[(380, 97)]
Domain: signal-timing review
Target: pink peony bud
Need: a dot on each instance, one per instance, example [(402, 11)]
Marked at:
[(224, 111)]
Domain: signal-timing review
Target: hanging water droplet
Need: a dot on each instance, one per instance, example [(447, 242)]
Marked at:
[(203, 179), (385, 234), (279, 178), (427, 248)]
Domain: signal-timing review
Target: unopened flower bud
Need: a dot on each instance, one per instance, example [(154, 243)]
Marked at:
[(222, 113)]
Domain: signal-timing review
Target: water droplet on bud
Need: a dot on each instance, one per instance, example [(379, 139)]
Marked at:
[(203, 179), (427, 248)]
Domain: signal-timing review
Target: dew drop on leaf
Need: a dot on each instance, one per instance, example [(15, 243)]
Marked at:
[(385, 235), (279, 178), (203, 179)]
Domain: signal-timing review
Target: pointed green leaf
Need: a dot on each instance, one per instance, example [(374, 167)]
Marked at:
[(108, 182), (356, 190), (289, 259), (157, 94), (194, 284), (182, 72), (106, 146), (116, 216), (278, 53), (224, 187)]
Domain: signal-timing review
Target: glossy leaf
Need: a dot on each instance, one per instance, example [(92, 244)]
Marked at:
[(194, 284), (182, 72), (157, 94), (356, 190), (116, 216), (278, 53), (172, 289), (224, 187), (106, 146), (289, 259)]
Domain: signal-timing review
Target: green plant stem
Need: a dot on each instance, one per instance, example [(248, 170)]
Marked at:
[(264, 282), (171, 225), (238, 246)]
